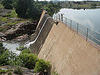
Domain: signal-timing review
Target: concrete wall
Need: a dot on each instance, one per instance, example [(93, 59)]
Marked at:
[(44, 33), (69, 53)]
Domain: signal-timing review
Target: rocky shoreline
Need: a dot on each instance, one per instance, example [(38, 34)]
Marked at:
[(19, 32)]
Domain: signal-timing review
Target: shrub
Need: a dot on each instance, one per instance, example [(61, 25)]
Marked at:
[(55, 73), (16, 61), (21, 48), (26, 51), (2, 49), (13, 59), (3, 19), (28, 60), (3, 71), (1, 6), (9, 73), (42, 66), (12, 14), (4, 58), (18, 70), (9, 58)]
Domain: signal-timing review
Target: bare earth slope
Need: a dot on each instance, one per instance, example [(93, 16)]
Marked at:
[(69, 53)]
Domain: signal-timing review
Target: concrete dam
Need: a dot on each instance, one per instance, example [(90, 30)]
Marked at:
[(68, 52)]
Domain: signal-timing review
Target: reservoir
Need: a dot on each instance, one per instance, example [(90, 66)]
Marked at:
[(87, 17), (85, 21)]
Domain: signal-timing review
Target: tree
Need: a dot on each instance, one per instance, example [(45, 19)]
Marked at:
[(26, 9), (8, 4)]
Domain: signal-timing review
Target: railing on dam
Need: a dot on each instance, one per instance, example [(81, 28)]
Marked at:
[(86, 32)]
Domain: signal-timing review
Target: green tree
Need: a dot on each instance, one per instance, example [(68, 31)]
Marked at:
[(26, 9), (8, 4)]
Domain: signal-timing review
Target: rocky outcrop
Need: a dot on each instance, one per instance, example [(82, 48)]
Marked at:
[(2, 36), (21, 29), (11, 69), (3, 12)]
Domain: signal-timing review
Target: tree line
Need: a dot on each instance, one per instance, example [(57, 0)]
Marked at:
[(30, 8)]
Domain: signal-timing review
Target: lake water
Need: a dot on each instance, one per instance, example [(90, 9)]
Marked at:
[(89, 18)]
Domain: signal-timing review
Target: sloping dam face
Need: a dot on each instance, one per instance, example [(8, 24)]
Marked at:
[(69, 53)]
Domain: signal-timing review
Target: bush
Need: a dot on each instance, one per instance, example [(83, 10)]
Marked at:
[(12, 14), (25, 51), (9, 73), (3, 71), (42, 66), (9, 58), (18, 71), (55, 73), (28, 60), (1, 6), (15, 61), (21, 48), (2, 49), (3, 19), (4, 58)]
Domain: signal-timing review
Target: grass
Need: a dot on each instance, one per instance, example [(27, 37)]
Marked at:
[(12, 14), (4, 71), (55, 73), (12, 23), (3, 19), (1, 6), (8, 24), (8, 20), (1, 29)]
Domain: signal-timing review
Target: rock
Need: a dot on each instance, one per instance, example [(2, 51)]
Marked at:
[(15, 19), (2, 37), (2, 34), (3, 12), (12, 68), (21, 29), (21, 38)]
